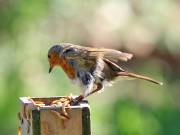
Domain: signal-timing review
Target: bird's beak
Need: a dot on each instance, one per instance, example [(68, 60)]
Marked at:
[(50, 69)]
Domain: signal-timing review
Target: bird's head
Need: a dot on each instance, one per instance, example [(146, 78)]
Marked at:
[(54, 55), (56, 52)]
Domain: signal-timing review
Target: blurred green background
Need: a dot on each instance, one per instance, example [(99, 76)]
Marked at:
[(148, 29)]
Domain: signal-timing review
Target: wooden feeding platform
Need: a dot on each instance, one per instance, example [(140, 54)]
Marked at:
[(46, 120)]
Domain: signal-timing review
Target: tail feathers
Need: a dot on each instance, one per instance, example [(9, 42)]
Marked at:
[(132, 75)]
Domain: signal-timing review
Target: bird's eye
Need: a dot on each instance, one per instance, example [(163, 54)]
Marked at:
[(69, 50), (49, 56)]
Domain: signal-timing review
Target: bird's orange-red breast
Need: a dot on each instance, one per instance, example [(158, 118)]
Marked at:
[(68, 69)]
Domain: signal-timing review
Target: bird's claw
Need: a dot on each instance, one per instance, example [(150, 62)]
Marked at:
[(76, 100)]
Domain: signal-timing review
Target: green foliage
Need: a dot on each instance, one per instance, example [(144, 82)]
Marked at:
[(138, 119)]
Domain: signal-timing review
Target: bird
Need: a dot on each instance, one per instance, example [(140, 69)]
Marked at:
[(91, 68)]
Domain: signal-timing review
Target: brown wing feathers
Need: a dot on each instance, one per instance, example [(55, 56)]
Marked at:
[(132, 75), (111, 54)]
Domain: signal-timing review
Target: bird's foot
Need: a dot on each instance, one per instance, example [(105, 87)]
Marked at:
[(75, 101)]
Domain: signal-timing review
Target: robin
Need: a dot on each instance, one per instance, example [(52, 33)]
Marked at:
[(91, 68)]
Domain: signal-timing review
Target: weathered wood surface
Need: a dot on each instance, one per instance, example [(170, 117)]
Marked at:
[(46, 120)]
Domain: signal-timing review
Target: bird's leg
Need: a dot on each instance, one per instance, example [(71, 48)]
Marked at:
[(81, 97), (78, 99), (98, 87)]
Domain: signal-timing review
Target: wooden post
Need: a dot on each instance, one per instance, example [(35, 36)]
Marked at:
[(46, 120)]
